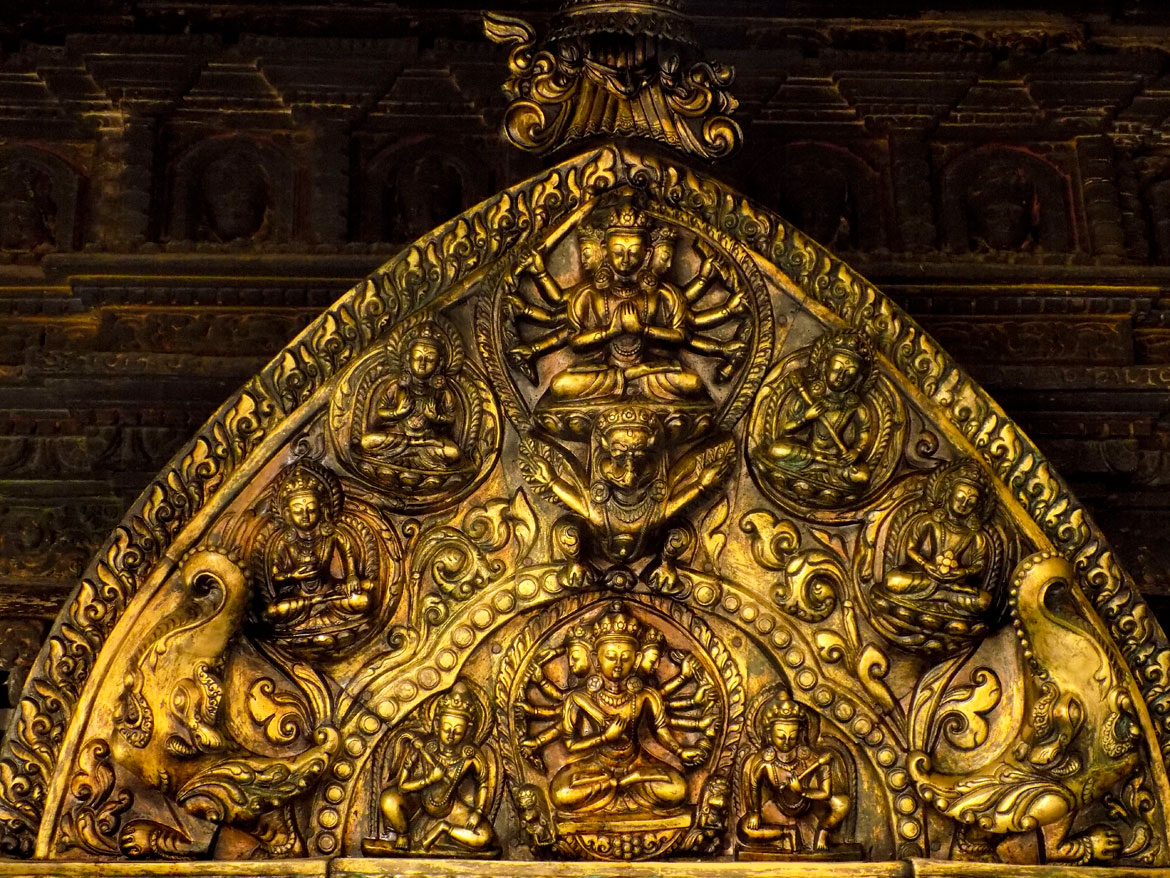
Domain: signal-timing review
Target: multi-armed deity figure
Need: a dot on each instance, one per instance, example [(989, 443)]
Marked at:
[(319, 567), (412, 420), (442, 783), (787, 783), (610, 768), (625, 321), (687, 693)]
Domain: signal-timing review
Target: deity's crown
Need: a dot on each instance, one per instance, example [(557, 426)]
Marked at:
[(428, 333), (628, 218), (782, 708), (850, 341), (457, 700), (578, 633), (627, 416), (652, 637), (965, 472), (304, 477), (617, 623), (847, 341)]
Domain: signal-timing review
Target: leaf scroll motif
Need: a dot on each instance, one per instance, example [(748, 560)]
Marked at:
[(809, 580), (808, 589), (282, 716), (93, 822), (962, 715)]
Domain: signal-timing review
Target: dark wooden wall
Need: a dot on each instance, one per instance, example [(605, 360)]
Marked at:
[(183, 185)]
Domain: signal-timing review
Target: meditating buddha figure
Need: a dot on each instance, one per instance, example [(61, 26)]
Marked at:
[(627, 322), (318, 592), (412, 422), (602, 722), (946, 545)]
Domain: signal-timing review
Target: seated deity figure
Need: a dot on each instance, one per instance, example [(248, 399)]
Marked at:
[(825, 426), (413, 420), (610, 770), (317, 589), (627, 322), (946, 545), (441, 784), (787, 782)]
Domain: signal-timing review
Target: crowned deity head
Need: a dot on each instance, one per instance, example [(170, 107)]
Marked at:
[(308, 497), (426, 353), (841, 361), (579, 647), (785, 723), (960, 492), (627, 240), (616, 639), (650, 654), (455, 715)]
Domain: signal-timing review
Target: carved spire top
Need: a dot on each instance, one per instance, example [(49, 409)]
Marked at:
[(659, 19), (627, 69)]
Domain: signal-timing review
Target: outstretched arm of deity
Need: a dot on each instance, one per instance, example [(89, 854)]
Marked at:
[(704, 476), (542, 345), (543, 475), (735, 306), (543, 683), (664, 735), (546, 285), (710, 266), (518, 306)]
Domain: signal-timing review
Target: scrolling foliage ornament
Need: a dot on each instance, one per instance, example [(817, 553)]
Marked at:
[(613, 519)]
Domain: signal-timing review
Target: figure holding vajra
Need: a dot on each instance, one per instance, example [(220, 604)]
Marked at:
[(825, 423), (788, 782), (441, 785)]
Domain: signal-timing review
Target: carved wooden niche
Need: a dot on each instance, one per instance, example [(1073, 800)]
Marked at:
[(1005, 200), (827, 192), (38, 201), (407, 188), (232, 190)]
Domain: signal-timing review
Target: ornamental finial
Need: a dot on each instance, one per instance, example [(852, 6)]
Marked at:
[(626, 69)]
